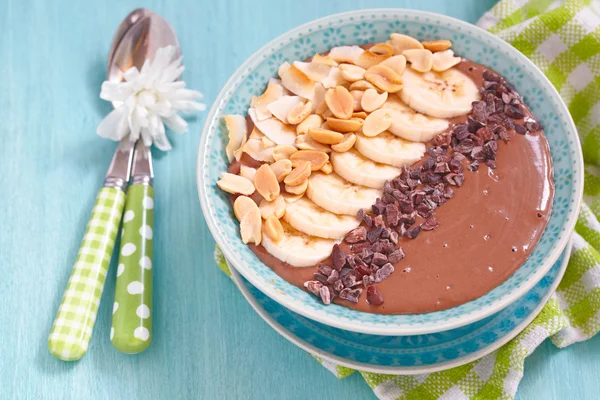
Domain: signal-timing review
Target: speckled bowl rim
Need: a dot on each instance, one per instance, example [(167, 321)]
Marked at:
[(389, 328), (399, 370)]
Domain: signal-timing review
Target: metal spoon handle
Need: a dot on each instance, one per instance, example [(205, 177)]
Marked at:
[(132, 310), (76, 315)]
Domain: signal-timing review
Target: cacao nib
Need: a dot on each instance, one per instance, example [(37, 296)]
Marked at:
[(490, 149), (465, 146), (533, 126), (367, 255), (378, 207), (368, 280), (394, 237), (325, 269), (441, 168), (373, 296), (442, 140), (379, 259), (313, 286), (338, 286), (360, 246), (485, 133), (333, 277), (474, 166), (430, 224), (460, 132), (520, 129), (388, 198), (513, 112), (378, 221), (491, 76), (395, 256), (474, 124), (448, 192), (356, 235), (350, 295), (320, 277), (325, 294), (477, 153), (392, 214), (350, 280), (338, 257), (406, 206), (387, 187), (374, 234), (384, 272), (455, 165), (491, 163), (413, 232), (429, 164)]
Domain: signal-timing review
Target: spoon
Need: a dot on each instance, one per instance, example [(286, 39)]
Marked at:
[(75, 320), (131, 330)]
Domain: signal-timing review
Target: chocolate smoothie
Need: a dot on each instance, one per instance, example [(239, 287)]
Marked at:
[(486, 230)]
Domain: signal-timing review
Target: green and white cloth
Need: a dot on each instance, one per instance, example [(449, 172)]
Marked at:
[(563, 39)]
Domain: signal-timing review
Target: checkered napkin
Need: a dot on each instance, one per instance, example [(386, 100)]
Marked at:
[(563, 39)]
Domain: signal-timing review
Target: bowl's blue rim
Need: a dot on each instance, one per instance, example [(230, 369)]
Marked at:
[(389, 328), (378, 369)]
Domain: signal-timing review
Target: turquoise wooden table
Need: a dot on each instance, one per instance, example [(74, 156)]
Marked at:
[(208, 343)]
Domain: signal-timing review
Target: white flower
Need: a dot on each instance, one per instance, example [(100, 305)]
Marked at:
[(147, 100)]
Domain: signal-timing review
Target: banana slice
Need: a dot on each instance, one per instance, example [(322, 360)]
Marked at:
[(445, 94), (356, 168), (335, 194), (411, 125), (297, 248), (309, 218), (388, 149)]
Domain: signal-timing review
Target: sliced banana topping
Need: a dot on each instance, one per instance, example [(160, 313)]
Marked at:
[(445, 94), (411, 125), (386, 148), (335, 194), (330, 132), (298, 249), (309, 218), (356, 168)]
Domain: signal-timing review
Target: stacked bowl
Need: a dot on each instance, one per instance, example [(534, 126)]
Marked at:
[(397, 344)]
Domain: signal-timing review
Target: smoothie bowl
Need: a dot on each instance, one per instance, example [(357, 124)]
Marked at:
[(394, 172)]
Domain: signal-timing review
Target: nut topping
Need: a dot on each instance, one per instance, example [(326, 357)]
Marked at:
[(420, 59), (317, 159), (344, 125), (312, 121), (275, 207), (281, 169), (235, 184), (273, 228), (242, 206), (384, 78), (251, 227), (283, 151), (377, 122), (340, 102), (266, 183), (298, 175), (372, 100), (437, 45), (325, 136), (346, 144), (352, 73)]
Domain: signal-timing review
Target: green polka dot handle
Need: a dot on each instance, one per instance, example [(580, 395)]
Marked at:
[(76, 316), (131, 330)]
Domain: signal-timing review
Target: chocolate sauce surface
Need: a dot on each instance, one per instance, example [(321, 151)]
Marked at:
[(487, 230)]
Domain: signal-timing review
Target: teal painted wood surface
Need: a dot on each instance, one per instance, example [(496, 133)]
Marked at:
[(207, 343)]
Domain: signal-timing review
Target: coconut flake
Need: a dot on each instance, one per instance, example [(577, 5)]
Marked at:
[(281, 107), (347, 54), (298, 83), (274, 129), (236, 125)]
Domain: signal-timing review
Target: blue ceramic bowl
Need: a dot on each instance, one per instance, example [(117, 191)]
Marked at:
[(367, 26)]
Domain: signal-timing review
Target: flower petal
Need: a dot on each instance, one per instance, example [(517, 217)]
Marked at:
[(114, 126), (176, 123)]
